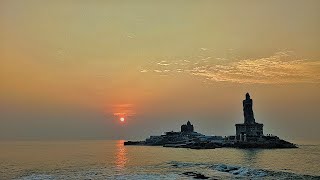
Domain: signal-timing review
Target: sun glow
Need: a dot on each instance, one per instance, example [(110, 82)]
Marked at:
[(122, 119)]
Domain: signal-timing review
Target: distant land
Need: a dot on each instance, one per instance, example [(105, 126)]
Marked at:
[(248, 135)]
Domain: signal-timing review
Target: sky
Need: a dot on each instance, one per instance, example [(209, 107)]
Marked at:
[(72, 69)]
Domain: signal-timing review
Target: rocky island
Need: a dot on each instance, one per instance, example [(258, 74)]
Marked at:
[(248, 135)]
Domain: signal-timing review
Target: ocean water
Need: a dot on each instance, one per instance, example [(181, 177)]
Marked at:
[(111, 160)]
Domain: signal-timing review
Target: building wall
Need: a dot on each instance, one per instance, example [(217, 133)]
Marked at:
[(249, 129)]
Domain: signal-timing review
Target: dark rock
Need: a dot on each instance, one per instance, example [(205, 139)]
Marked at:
[(200, 176), (195, 175), (267, 144), (134, 143)]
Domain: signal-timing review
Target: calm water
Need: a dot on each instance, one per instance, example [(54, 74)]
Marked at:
[(112, 160)]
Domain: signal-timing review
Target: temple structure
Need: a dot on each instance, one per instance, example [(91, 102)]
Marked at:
[(187, 128), (249, 127)]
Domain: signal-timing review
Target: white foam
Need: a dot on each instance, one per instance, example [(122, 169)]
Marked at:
[(240, 171), (38, 177), (147, 176)]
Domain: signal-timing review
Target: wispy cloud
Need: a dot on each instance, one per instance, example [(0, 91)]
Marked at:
[(163, 63), (279, 68), (123, 110), (130, 36)]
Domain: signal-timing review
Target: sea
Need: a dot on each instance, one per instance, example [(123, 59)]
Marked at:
[(110, 159)]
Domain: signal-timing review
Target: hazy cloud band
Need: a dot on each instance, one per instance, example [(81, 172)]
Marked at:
[(281, 67)]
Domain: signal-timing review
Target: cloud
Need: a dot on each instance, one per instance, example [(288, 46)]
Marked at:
[(206, 58), (179, 70), (123, 110), (277, 69), (130, 36), (163, 63), (280, 68)]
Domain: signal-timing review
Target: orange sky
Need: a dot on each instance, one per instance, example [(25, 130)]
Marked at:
[(68, 69)]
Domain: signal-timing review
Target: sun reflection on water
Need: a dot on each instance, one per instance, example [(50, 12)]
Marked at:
[(121, 155)]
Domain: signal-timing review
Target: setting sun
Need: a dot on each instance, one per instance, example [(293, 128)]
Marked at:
[(122, 119)]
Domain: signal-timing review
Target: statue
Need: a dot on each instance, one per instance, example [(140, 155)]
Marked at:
[(249, 128), (247, 110)]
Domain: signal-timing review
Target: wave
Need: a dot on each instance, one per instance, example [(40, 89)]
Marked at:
[(38, 177), (240, 171), (118, 177), (169, 170)]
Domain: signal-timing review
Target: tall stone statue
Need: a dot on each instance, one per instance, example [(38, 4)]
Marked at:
[(247, 110), (249, 128)]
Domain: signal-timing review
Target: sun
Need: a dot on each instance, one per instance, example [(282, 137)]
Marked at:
[(122, 119)]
